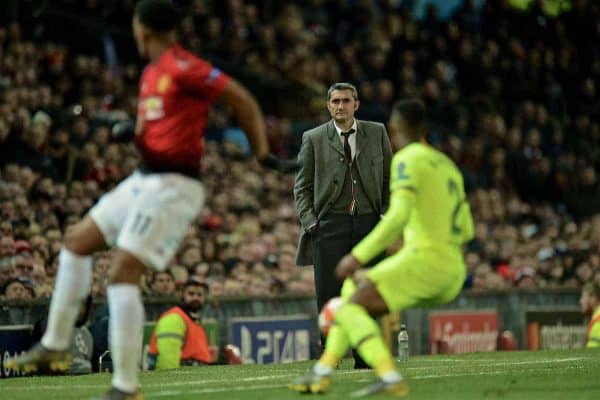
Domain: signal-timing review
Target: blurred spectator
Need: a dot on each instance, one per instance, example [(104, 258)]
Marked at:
[(513, 102), (163, 284), (590, 305), (179, 337), (19, 288)]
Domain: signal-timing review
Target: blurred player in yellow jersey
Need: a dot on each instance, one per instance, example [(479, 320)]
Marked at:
[(429, 208), (590, 305)]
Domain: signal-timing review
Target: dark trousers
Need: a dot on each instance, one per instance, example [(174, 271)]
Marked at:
[(335, 236)]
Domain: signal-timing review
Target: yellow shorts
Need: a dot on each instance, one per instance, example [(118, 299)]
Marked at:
[(416, 277)]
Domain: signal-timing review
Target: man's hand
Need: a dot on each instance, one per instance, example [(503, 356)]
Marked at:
[(346, 267), (278, 164)]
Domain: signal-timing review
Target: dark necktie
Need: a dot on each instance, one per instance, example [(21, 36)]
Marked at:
[(347, 149)]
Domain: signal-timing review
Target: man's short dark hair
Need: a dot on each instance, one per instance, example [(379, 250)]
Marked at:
[(195, 282), (158, 15), (412, 112), (342, 86)]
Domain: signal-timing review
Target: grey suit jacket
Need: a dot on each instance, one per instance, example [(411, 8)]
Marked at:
[(323, 168)]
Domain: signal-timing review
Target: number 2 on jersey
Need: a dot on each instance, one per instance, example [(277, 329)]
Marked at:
[(454, 192)]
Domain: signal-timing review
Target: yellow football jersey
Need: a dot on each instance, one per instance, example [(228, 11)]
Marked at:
[(593, 332), (441, 214)]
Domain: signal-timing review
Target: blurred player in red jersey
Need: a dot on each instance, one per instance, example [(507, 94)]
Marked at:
[(145, 216)]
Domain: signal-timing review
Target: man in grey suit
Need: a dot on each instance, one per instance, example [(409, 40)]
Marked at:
[(341, 188)]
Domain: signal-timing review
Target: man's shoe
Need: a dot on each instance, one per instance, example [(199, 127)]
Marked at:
[(311, 383), (41, 359), (116, 394), (398, 389)]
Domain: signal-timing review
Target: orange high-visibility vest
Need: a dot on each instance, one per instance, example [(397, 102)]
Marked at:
[(195, 345), (593, 322)]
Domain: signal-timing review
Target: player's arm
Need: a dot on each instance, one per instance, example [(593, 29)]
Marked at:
[(250, 118), (170, 333), (594, 336), (304, 185), (248, 115), (212, 84), (465, 222), (389, 228)]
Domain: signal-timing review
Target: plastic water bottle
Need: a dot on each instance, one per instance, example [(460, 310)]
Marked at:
[(403, 344)]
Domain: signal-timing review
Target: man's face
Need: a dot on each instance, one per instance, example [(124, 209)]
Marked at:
[(191, 256), (342, 106), (38, 241), (21, 206), (7, 210), (23, 264), (6, 228), (53, 235), (193, 297), (164, 284), (7, 246), (17, 291), (201, 269)]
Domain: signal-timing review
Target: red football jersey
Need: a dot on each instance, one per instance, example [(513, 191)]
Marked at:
[(176, 92)]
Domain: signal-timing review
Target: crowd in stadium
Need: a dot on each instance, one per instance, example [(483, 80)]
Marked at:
[(517, 109)]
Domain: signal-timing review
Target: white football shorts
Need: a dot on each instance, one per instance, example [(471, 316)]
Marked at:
[(148, 215)]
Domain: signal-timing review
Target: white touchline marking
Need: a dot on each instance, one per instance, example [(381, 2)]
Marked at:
[(215, 390), (495, 360), (484, 373), (501, 364), (290, 375)]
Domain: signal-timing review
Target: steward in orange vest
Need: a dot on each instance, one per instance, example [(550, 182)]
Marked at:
[(177, 338)]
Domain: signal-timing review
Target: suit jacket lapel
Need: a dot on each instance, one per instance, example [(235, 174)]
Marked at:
[(361, 138), (334, 139), (364, 171)]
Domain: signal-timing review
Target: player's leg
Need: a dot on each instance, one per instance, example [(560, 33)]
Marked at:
[(98, 229), (411, 277), (363, 225), (73, 281), (357, 320), (153, 229), (337, 344), (126, 321), (73, 284), (355, 327)]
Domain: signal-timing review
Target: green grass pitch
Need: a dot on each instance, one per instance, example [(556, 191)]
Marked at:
[(544, 375)]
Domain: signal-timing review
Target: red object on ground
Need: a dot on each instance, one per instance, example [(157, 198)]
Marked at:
[(507, 341), (233, 354)]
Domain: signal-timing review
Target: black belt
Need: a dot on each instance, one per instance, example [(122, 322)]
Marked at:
[(169, 169)]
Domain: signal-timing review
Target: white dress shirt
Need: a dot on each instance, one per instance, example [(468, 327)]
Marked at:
[(351, 138)]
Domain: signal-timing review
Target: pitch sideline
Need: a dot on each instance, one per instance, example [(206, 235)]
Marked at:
[(290, 375)]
